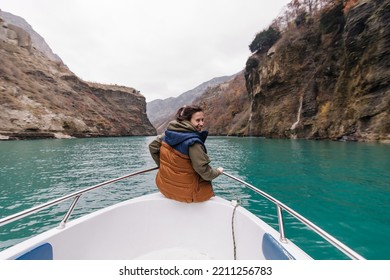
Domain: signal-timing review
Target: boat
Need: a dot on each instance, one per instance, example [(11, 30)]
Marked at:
[(152, 227)]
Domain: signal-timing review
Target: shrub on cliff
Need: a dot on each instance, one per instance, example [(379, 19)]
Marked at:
[(264, 40)]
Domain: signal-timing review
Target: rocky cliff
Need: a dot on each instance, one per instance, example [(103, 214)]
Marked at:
[(326, 78), (226, 107), (35, 40), (41, 98)]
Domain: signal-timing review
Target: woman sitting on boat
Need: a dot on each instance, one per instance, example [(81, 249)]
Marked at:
[(184, 172)]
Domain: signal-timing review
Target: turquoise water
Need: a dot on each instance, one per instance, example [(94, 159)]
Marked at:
[(342, 187)]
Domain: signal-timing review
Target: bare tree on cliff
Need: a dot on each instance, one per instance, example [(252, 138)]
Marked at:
[(300, 8)]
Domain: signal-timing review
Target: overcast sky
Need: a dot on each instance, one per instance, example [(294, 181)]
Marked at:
[(162, 48)]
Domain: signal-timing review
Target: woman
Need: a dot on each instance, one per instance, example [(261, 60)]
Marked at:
[(184, 174)]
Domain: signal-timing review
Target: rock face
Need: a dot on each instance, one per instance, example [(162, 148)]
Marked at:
[(41, 98), (35, 40), (226, 107), (328, 78)]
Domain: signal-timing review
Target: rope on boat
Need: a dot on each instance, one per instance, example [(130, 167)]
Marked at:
[(235, 204)]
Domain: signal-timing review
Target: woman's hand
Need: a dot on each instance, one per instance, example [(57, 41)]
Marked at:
[(220, 170)]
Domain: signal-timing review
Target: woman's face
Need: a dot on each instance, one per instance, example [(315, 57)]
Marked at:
[(197, 120)]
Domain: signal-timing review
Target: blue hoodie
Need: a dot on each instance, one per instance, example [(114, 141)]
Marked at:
[(181, 141)]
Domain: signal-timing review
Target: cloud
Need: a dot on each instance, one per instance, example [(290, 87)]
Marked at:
[(162, 48)]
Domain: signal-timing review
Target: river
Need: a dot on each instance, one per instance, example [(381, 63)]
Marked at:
[(343, 187)]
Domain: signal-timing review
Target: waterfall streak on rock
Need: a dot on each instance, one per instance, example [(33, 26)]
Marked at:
[(299, 114)]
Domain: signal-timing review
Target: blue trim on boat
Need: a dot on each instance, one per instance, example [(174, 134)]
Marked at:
[(42, 252), (273, 250)]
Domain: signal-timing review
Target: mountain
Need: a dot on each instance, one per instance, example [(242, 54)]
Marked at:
[(226, 107), (161, 111), (326, 77), (41, 98), (37, 41)]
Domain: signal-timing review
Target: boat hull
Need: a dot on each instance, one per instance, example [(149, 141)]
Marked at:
[(154, 227)]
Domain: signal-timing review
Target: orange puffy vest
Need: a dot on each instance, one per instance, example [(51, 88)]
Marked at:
[(177, 179)]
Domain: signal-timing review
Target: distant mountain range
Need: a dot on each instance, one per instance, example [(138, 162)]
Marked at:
[(160, 111)]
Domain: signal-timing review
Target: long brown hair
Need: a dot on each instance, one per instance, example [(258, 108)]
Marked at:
[(185, 113)]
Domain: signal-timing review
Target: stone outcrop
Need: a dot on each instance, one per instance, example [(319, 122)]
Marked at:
[(41, 98), (329, 78), (226, 107), (34, 39)]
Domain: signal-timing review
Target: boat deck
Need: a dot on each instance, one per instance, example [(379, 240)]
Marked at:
[(175, 254)]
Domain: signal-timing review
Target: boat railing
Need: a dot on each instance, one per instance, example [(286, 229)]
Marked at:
[(76, 196), (280, 207)]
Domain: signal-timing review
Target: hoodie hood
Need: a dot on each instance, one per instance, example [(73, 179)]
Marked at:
[(181, 135), (183, 126), (178, 132)]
